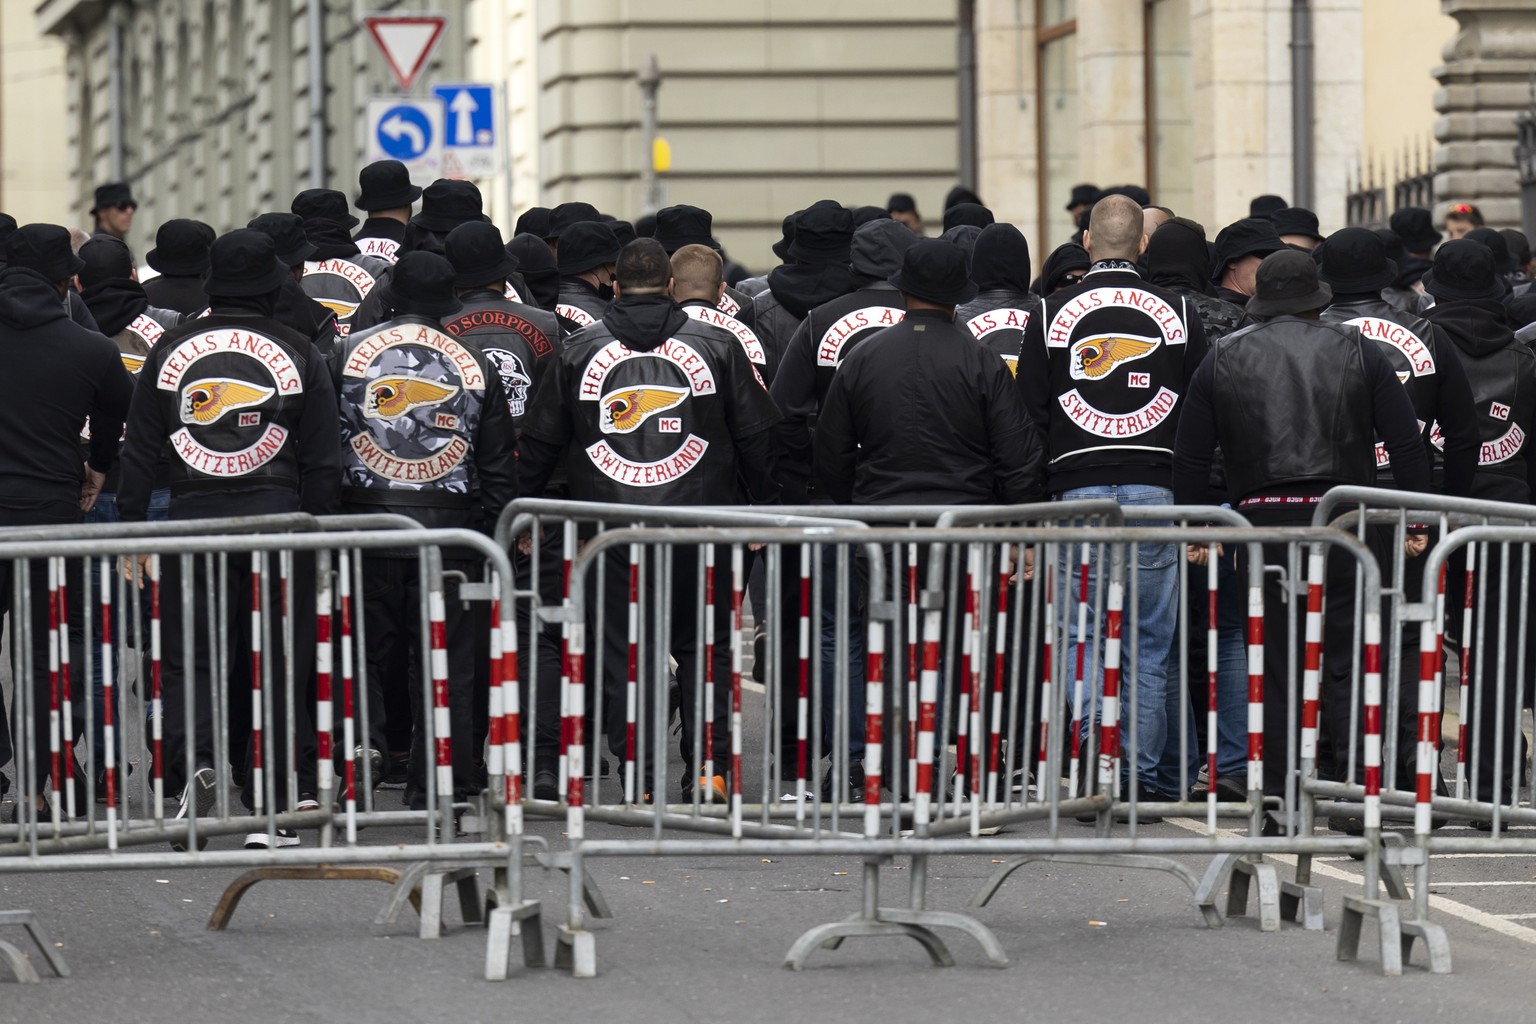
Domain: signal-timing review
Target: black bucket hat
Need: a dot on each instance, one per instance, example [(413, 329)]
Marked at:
[(1416, 227), (1463, 269), (1266, 206), (878, 247), (823, 233), (114, 193), (1252, 236), (244, 262), (533, 221), (44, 248), (585, 245), (1503, 259), (1295, 220), (287, 233), (935, 271), (1287, 282), (566, 214), (1083, 195), (447, 203), (786, 237), (385, 185), (421, 284), (181, 248), (677, 226), (323, 202), (623, 231), (478, 254), (968, 213), (104, 258), (1355, 261)]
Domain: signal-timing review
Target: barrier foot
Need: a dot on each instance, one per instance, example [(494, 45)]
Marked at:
[(591, 895), (28, 919), (576, 951), (1436, 945), (1391, 873), (1244, 872), (503, 921), (324, 872), (1394, 943), (1302, 904), (432, 893), (1202, 889)]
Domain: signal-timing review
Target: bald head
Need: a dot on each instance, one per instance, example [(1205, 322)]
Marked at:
[(1116, 229), (697, 273)]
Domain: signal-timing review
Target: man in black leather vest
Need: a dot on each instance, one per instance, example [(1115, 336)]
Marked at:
[(587, 253), (385, 195), (243, 411), (1296, 407), (1003, 305)]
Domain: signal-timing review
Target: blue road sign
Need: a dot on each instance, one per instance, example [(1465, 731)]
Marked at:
[(405, 131), (469, 115)]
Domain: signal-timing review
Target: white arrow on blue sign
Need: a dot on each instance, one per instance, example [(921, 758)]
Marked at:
[(410, 131), (471, 141)]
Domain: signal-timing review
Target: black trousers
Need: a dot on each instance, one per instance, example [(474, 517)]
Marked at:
[(183, 682), (37, 618), (394, 605), (681, 638), (1496, 631)]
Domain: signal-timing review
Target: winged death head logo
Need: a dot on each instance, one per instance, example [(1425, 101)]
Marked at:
[(624, 410), (1094, 357), (205, 401), (341, 307), (132, 362), (391, 397)]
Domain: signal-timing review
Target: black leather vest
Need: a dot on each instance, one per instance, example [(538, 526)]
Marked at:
[(509, 338), (997, 319), (1500, 404), (341, 285), (1293, 406), (1410, 345)]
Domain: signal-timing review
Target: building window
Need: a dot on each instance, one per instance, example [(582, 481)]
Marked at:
[(1056, 127), (1170, 83)]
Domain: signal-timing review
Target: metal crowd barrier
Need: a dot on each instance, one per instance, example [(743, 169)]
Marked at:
[(272, 620)]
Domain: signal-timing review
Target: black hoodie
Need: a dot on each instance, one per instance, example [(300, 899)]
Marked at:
[(115, 303), (330, 239), (58, 375), (1003, 304), (705, 444), (1062, 260), (1502, 372), (536, 264), (1178, 259)]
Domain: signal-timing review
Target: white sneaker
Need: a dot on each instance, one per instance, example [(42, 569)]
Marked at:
[(264, 841)]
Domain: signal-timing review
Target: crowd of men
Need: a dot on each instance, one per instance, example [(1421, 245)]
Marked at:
[(419, 362)]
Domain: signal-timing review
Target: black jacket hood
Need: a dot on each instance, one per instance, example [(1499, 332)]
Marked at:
[(537, 266), (644, 321), (1000, 260), (1064, 258), (1177, 257), (801, 288), (1479, 327), (115, 302), (330, 238), (27, 299)]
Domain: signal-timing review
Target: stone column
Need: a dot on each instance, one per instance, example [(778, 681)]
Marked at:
[(1006, 115), (1112, 95), (1484, 84)]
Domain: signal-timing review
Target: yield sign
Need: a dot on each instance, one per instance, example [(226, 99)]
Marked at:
[(406, 41)]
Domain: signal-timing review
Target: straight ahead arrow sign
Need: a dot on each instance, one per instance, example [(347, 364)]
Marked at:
[(463, 107)]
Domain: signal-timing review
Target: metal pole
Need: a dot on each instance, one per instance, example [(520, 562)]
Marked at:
[(1302, 107), (117, 25), (317, 168), (966, 86), (650, 186)]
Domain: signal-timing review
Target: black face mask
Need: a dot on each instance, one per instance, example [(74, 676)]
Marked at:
[(605, 290)]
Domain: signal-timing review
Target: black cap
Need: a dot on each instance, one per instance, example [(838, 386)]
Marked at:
[(1287, 282), (1355, 262), (961, 194), (823, 233), (900, 202), (324, 203), (1083, 195), (625, 232), (1503, 259), (478, 254), (867, 214), (786, 237), (1519, 246), (447, 203), (566, 214), (386, 185), (645, 225), (968, 213), (181, 248), (104, 258), (585, 245), (422, 284), (878, 246), (1416, 227), (44, 248), (935, 271), (532, 222), (1135, 193), (1463, 269), (1265, 206), (1252, 236), (677, 226), (1295, 220), (244, 262), (114, 193), (287, 233)]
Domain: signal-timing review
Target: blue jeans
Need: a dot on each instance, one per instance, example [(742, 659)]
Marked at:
[(105, 511), (1157, 607)]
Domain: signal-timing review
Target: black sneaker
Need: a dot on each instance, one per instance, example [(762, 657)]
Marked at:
[(546, 786), (855, 786), (759, 655), (285, 838), (197, 799), (371, 758)]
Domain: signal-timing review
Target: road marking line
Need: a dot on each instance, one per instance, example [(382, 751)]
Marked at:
[(1472, 915)]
